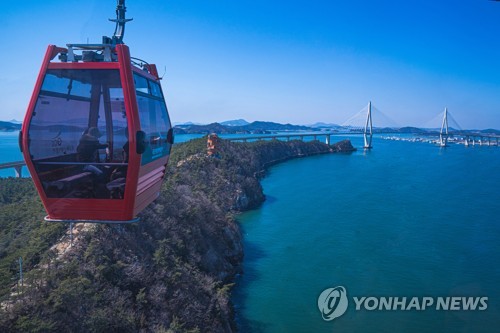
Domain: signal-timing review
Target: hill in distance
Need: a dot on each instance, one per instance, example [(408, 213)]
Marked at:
[(9, 126), (256, 127), (324, 125), (266, 127), (236, 122), (186, 124)]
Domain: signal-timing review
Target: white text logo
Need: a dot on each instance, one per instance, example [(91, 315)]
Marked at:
[(333, 302)]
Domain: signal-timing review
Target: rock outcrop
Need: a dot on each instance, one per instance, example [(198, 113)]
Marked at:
[(344, 146)]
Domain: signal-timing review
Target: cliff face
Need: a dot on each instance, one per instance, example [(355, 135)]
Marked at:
[(172, 271)]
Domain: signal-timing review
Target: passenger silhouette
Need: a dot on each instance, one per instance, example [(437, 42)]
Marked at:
[(88, 151), (89, 145)]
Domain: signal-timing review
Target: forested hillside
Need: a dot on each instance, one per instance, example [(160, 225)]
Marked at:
[(171, 272)]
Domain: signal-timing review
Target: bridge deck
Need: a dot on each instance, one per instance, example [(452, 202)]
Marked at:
[(17, 165)]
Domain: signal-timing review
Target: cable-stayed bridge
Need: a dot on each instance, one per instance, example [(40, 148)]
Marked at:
[(451, 128), (364, 120), (370, 120)]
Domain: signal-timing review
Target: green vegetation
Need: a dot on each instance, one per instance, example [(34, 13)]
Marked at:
[(171, 272), (21, 233)]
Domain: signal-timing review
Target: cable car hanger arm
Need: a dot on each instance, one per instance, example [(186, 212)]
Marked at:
[(120, 22), (108, 44)]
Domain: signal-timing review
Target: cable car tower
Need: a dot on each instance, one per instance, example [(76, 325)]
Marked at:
[(97, 136)]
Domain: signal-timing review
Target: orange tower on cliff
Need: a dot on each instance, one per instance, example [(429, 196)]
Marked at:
[(212, 144)]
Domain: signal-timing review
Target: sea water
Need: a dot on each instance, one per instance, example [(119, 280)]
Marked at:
[(404, 219)]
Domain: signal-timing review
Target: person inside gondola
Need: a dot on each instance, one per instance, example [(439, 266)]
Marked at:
[(88, 149), (88, 153), (89, 145)]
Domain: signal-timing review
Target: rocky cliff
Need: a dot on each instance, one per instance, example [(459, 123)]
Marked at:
[(172, 272)]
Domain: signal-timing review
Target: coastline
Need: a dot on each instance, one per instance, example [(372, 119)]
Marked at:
[(357, 221), (263, 155), (173, 270)]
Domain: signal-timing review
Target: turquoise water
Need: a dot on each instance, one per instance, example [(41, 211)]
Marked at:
[(405, 219)]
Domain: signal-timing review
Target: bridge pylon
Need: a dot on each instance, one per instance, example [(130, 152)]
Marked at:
[(443, 134), (368, 132)]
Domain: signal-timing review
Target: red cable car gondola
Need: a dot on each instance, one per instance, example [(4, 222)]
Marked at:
[(97, 136)]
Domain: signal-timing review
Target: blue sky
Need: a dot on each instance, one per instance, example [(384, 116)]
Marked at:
[(284, 61)]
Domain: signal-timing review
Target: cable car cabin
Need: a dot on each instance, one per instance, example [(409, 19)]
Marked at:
[(97, 136)]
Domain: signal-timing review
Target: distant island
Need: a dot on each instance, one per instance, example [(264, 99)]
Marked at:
[(233, 127), (236, 122), (241, 126), (6, 126)]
